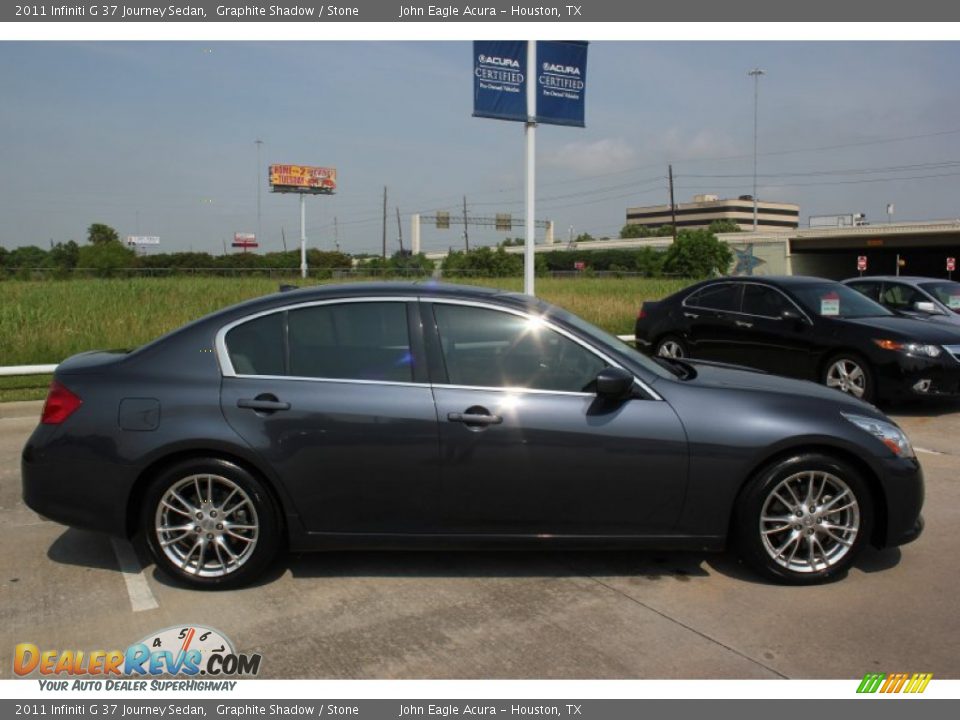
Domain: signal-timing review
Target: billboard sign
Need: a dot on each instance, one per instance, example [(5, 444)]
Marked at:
[(306, 179), (500, 79), (501, 74), (143, 240), (561, 82), (244, 240)]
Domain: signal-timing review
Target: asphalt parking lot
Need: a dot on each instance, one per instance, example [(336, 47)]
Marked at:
[(508, 615)]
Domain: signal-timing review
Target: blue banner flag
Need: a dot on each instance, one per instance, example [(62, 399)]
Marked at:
[(561, 82), (500, 79)]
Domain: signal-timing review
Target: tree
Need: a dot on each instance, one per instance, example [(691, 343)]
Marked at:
[(584, 237), (28, 256), (723, 226), (634, 230), (697, 254), (64, 256), (99, 234), (106, 257)]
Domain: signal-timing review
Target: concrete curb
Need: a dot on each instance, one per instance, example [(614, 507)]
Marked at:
[(21, 409)]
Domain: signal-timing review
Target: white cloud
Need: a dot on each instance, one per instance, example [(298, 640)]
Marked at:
[(592, 158)]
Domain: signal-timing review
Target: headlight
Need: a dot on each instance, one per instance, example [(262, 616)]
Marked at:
[(910, 348), (888, 433)]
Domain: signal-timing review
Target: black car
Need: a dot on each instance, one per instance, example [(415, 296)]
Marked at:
[(393, 416), (922, 298), (807, 328)]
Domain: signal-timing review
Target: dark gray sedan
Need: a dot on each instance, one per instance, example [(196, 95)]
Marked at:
[(428, 416)]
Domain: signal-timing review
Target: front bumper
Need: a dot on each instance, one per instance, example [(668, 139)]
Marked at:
[(910, 376), (903, 493)]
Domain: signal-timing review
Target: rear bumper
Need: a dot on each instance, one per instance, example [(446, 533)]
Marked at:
[(84, 495)]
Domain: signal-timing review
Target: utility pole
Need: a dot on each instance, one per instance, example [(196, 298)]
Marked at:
[(384, 222), (673, 205), (755, 74), (258, 142), (466, 234), (283, 237), (399, 231), (336, 234)]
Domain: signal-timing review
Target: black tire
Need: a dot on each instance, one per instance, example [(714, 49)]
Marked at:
[(793, 565), (679, 347), (213, 487), (864, 380)]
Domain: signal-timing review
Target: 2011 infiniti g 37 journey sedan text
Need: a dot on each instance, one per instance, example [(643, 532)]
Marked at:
[(414, 416)]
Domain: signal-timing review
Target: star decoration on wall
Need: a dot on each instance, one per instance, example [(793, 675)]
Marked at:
[(747, 262)]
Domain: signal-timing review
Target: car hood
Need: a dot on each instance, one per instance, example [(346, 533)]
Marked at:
[(734, 377), (898, 327)]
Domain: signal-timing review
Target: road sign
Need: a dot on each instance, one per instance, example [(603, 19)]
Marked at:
[(861, 262), (951, 264), (579, 265)]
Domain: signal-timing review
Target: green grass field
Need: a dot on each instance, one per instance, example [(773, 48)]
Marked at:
[(46, 321)]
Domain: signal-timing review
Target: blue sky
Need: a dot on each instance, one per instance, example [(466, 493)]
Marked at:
[(158, 137)]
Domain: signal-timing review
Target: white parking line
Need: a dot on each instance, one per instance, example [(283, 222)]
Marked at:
[(929, 452), (141, 597)]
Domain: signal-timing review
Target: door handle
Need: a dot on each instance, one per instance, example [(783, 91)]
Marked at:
[(744, 324), (474, 419), (692, 316), (263, 403)]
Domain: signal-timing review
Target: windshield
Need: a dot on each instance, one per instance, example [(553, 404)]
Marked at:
[(830, 299), (946, 292), (606, 339)]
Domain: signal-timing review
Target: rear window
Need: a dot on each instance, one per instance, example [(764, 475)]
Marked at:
[(723, 296)]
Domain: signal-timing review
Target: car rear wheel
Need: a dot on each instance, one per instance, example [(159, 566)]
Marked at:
[(851, 374), (671, 346), (804, 520), (210, 523)]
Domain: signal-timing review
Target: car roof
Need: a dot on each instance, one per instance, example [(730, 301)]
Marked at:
[(775, 280), (909, 279)]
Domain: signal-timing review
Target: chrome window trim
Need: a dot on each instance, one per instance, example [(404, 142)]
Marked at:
[(790, 300), (220, 342), (548, 324), (227, 369)]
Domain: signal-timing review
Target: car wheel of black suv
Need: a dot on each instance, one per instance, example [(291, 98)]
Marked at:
[(671, 346), (210, 524), (804, 519), (849, 373)]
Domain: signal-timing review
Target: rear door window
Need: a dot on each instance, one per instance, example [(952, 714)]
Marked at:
[(869, 289), (353, 341), (723, 296)]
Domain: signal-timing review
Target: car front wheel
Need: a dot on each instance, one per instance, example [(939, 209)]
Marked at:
[(210, 523), (804, 519), (851, 374)]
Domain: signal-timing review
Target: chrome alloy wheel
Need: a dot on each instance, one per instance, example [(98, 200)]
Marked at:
[(206, 525), (848, 376), (670, 349), (809, 521)]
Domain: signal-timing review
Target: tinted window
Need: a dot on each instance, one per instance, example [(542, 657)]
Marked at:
[(946, 292), (256, 347), (356, 341), (869, 289), (488, 348), (900, 297), (760, 300), (830, 299), (724, 296)]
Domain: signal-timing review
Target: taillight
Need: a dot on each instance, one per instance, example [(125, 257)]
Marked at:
[(60, 404), (641, 314)]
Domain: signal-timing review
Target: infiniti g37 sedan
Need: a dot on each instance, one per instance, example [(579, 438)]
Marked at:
[(388, 416), (808, 328)]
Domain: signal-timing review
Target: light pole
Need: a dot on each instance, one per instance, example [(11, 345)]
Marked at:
[(258, 142), (755, 74)]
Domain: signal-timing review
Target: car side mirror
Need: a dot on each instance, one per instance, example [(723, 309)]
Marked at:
[(925, 307), (614, 383)]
